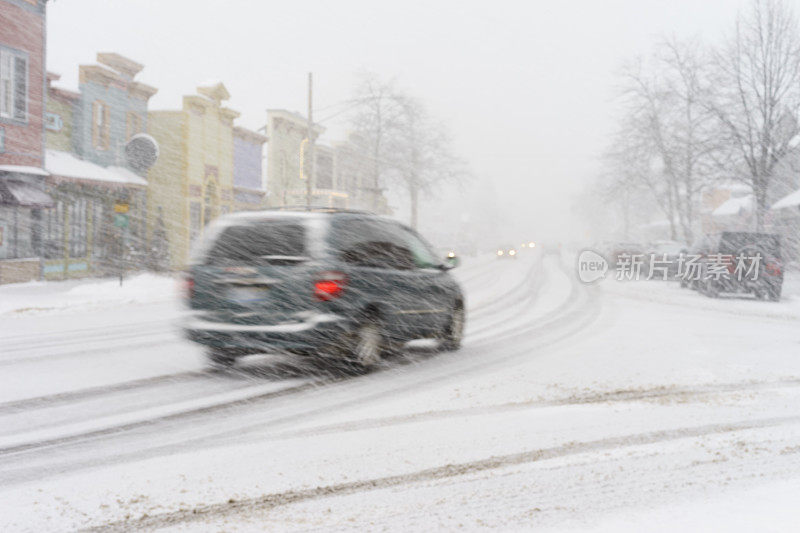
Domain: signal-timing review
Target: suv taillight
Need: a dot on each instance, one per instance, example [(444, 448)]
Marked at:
[(187, 287), (773, 268), (329, 285)]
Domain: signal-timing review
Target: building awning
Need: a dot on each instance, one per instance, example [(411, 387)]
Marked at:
[(20, 169), (19, 193)]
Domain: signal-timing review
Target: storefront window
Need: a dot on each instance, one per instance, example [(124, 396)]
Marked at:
[(54, 232), (100, 224), (78, 228)]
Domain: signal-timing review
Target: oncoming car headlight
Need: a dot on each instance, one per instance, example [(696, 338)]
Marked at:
[(499, 252), (512, 252)]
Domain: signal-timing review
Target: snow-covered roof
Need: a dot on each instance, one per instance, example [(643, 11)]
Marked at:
[(790, 200), (734, 206), (20, 169), (68, 165)]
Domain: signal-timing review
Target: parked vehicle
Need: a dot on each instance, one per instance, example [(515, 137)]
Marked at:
[(741, 249), (343, 285), (619, 249), (665, 254)]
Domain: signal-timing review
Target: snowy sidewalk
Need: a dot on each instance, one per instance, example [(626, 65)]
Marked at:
[(49, 297)]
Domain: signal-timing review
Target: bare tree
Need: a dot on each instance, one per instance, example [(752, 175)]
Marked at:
[(377, 107), (759, 95), (668, 126), (420, 154), (628, 178), (690, 145), (406, 145)]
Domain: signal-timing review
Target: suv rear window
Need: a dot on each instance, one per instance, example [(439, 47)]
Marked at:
[(734, 242), (259, 242)]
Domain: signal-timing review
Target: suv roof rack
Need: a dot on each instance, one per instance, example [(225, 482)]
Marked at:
[(318, 209)]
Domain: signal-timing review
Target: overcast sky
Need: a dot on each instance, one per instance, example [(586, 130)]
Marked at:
[(526, 87)]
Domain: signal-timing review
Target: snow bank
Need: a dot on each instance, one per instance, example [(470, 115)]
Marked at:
[(70, 296)]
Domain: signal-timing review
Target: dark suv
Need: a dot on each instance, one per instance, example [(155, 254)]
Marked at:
[(345, 285), (758, 253)]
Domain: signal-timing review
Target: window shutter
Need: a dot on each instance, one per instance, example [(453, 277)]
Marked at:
[(20, 88), (105, 127), (95, 125), (6, 84)]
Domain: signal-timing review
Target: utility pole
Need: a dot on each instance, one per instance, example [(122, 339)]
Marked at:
[(310, 162)]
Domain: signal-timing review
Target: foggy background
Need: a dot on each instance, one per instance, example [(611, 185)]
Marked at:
[(526, 88)]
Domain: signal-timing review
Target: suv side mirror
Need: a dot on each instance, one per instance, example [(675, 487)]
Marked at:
[(451, 261)]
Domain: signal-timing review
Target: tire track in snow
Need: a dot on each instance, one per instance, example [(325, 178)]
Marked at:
[(92, 392), (620, 396), (115, 428), (25, 341), (519, 296), (273, 500), (168, 336)]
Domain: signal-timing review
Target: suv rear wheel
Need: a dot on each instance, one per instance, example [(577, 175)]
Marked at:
[(368, 344), (710, 288), (364, 347), (774, 293), (220, 357)]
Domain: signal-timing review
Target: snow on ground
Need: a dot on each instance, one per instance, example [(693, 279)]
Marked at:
[(53, 297), (639, 406), (59, 336), (771, 507)]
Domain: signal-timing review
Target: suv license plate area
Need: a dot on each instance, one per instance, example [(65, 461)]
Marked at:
[(247, 295)]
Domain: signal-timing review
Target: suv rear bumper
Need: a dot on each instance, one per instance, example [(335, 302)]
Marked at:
[(317, 330)]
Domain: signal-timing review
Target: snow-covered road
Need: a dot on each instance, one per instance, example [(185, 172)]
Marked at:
[(603, 407)]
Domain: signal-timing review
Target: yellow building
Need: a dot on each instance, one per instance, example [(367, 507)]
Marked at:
[(192, 181)]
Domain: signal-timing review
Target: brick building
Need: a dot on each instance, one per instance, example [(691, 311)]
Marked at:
[(22, 138)]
